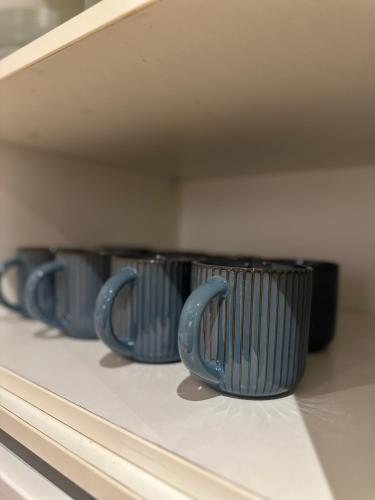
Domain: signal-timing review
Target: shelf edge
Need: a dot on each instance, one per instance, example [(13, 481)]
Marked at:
[(63, 460), (151, 458), (72, 31)]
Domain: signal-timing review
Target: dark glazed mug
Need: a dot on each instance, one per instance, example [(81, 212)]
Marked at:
[(79, 276), (324, 301), (25, 262), (138, 308), (244, 328)]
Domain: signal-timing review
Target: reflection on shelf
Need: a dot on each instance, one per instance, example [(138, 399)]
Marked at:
[(322, 435)]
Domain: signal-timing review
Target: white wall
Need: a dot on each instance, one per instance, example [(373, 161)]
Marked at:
[(326, 214), (46, 199)]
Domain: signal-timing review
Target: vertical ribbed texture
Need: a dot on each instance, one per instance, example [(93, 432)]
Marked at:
[(259, 332), (31, 259), (77, 288), (148, 311)]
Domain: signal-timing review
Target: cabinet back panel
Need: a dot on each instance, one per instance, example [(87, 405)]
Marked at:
[(47, 199), (323, 214)]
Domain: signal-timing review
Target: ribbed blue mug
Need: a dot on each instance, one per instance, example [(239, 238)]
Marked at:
[(138, 309), (26, 260), (244, 328), (79, 275)]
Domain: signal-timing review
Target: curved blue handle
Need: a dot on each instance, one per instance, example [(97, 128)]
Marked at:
[(31, 293), (104, 309), (4, 267), (189, 330)]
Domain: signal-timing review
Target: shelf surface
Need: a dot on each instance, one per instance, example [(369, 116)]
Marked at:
[(317, 443), (199, 87), (20, 481), (95, 469)]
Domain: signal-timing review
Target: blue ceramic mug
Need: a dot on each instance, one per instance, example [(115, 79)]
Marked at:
[(138, 309), (25, 262), (79, 275), (244, 328)]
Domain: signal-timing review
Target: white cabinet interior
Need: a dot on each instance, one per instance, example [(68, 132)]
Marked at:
[(322, 213), (240, 129), (20, 478), (188, 87), (315, 444), (53, 199)]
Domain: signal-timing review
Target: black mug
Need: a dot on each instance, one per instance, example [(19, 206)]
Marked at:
[(324, 300), (25, 261)]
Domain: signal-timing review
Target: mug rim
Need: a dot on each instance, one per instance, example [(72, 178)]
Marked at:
[(124, 253), (36, 249), (119, 250), (306, 262), (159, 257), (72, 250), (258, 265)]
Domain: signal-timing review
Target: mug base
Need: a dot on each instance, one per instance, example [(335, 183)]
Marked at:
[(153, 361), (81, 335), (319, 345), (252, 396), (25, 316)]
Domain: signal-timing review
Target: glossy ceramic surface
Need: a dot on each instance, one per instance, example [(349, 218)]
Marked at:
[(79, 276), (138, 309), (324, 301), (244, 328), (25, 262)]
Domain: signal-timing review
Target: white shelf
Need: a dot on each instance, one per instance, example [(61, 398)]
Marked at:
[(102, 458), (20, 481), (86, 463), (187, 88), (317, 443)]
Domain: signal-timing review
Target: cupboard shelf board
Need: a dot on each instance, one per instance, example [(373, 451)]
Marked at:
[(25, 476), (101, 457), (96, 470), (316, 443), (191, 87)]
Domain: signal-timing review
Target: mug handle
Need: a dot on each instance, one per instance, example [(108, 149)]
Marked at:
[(31, 293), (189, 330), (4, 267), (104, 311)]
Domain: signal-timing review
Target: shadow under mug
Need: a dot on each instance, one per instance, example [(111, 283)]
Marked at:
[(138, 309), (324, 300), (25, 261), (79, 275), (244, 328)]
